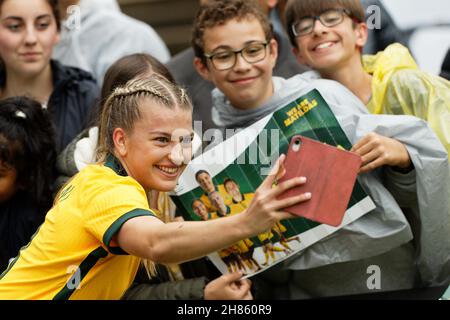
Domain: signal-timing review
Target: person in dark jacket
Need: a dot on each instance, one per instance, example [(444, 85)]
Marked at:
[(27, 38), (71, 104), (27, 150)]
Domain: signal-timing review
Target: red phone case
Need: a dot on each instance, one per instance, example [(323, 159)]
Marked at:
[(331, 175)]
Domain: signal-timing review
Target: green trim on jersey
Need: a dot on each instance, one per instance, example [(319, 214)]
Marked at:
[(81, 272), (114, 228), (13, 262), (114, 164)]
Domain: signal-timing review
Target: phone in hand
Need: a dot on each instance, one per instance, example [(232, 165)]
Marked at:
[(331, 174)]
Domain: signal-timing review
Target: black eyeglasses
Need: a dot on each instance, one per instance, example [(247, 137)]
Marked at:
[(328, 18), (226, 59)]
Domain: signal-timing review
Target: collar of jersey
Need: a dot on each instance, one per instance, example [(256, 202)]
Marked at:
[(114, 163)]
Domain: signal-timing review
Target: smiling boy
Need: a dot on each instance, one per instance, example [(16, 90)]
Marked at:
[(247, 88), (235, 50), (329, 35)]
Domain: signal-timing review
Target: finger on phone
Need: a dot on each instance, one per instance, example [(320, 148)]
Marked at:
[(276, 170)]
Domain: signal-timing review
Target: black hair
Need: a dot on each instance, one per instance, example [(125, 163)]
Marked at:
[(27, 144)]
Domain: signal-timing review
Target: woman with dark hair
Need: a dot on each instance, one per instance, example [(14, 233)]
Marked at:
[(29, 30), (27, 157)]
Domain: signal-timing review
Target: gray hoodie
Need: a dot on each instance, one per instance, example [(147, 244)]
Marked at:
[(404, 242)]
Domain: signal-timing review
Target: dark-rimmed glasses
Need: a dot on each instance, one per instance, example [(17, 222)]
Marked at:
[(328, 18), (226, 58)]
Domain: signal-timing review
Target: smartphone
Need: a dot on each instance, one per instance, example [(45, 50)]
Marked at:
[(331, 174)]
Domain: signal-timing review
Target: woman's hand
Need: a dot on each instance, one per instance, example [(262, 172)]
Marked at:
[(229, 287), (376, 151), (265, 209)]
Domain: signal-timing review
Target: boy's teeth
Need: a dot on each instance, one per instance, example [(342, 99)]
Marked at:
[(324, 45)]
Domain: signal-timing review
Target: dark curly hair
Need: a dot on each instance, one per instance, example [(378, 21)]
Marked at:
[(27, 143), (219, 12)]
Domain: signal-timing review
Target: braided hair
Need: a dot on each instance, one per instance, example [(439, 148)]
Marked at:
[(121, 109)]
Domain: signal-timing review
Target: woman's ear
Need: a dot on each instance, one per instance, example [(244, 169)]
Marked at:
[(120, 141)]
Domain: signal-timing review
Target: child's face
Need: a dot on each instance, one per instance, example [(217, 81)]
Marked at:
[(158, 147), (28, 32), (327, 49), (8, 179), (200, 210), (232, 188), (217, 201), (246, 85)]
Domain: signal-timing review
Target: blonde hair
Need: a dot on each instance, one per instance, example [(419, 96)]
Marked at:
[(121, 109)]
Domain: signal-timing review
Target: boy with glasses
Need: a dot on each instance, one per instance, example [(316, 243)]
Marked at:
[(226, 59), (199, 90), (329, 35), (235, 50)]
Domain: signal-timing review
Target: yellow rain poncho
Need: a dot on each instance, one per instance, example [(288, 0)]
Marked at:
[(399, 87)]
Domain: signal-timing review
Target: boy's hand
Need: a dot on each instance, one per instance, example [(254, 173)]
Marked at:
[(376, 151), (229, 287)]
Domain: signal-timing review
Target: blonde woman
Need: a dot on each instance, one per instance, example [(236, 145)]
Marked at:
[(101, 225), (170, 282)]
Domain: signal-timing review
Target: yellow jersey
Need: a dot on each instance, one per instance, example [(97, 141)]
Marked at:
[(73, 255), (238, 207), (225, 196)]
